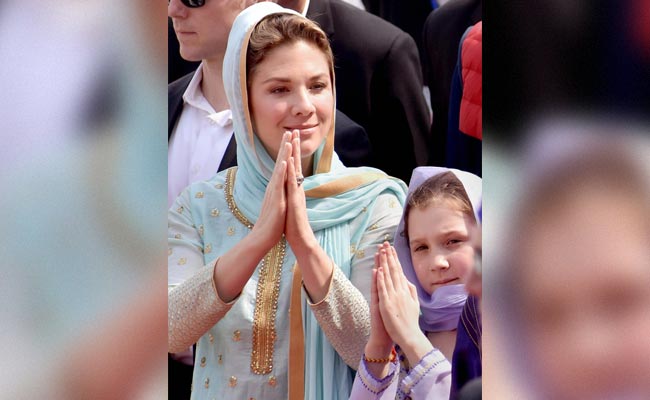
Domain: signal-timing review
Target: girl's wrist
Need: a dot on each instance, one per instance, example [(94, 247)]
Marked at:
[(378, 349), (416, 347)]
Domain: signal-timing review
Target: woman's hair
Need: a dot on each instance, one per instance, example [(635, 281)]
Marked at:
[(279, 29), (440, 190)]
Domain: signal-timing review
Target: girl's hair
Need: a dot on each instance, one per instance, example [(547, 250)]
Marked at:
[(276, 30), (444, 189)]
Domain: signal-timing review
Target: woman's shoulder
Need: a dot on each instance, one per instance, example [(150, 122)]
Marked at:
[(211, 190), (216, 183), (376, 177)]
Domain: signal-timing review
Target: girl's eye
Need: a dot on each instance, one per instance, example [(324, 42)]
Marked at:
[(420, 248), (452, 242), (318, 86)]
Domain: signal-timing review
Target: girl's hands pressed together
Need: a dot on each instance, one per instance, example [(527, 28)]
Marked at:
[(399, 305)]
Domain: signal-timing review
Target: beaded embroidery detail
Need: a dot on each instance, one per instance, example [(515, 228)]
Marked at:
[(268, 291)]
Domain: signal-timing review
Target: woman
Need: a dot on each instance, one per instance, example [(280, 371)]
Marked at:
[(422, 278), (243, 242)]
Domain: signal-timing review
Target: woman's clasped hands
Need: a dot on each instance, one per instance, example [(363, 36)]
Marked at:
[(284, 208)]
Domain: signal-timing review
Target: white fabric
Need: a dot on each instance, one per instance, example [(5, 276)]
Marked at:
[(198, 141)]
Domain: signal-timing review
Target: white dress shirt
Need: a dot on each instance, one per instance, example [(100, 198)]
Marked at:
[(198, 141)]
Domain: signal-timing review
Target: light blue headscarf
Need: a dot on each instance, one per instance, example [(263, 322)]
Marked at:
[(440, 310), (335, 195)]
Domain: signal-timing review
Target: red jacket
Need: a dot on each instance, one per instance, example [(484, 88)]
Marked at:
[(471, 106)]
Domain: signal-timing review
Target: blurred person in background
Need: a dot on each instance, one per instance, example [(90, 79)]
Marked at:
[(83, 180), (575, 293)]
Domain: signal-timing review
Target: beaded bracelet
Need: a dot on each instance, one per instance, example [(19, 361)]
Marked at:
[(393, 356)]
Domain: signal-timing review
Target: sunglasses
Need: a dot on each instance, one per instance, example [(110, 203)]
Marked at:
[(191, 3)]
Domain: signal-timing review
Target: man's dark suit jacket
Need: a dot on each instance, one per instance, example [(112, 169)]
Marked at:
[(378, 84), (350, 139), (441, 36)]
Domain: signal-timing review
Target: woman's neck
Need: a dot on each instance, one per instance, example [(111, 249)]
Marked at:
[(444, 341), (308, 166)]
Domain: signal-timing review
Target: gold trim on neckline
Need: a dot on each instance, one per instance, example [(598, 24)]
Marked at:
[(267, 293), (230, 199)]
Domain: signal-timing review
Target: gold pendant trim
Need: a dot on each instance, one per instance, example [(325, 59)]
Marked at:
[(268, 291), (230, 184)]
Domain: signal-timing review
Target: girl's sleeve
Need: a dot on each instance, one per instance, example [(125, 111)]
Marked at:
[(429, 379), (367, 387)]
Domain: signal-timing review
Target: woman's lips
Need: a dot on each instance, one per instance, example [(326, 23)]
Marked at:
[(304, 130)]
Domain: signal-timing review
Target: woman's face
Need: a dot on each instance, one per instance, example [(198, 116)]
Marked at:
[(291, 89), (585, 297), (440, 245)]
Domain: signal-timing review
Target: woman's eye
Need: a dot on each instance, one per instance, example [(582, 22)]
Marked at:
[(420, 248), (277, 90), (452, 242), (318, 86)]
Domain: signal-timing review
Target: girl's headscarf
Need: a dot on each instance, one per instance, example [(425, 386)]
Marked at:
[(335, 195), (441, 309)]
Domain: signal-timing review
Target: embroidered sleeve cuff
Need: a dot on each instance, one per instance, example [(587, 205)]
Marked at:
[(433, 364), (344, 316), (194, 307), (372, 383)]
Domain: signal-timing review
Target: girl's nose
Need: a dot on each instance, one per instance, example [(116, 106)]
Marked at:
[(439, 262)]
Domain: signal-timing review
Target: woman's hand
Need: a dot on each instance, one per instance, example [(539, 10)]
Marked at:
[(399, 305), (316, 266), (271, 223), (297, 229), (380, 341)]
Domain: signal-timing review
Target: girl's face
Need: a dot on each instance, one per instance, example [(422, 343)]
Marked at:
[(440, 245), (291, 89)]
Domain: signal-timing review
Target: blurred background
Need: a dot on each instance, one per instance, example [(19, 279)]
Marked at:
[(566, 160), (83, 209)]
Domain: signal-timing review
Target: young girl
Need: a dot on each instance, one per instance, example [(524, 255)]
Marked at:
[(422, 278)]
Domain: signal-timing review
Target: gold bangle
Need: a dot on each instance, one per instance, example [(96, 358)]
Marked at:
[(393, 356)]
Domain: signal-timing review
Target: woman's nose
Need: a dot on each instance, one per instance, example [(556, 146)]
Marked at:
[(302, 103)]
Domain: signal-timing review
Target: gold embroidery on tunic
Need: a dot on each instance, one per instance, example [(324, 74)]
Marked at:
[(268, 291)]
